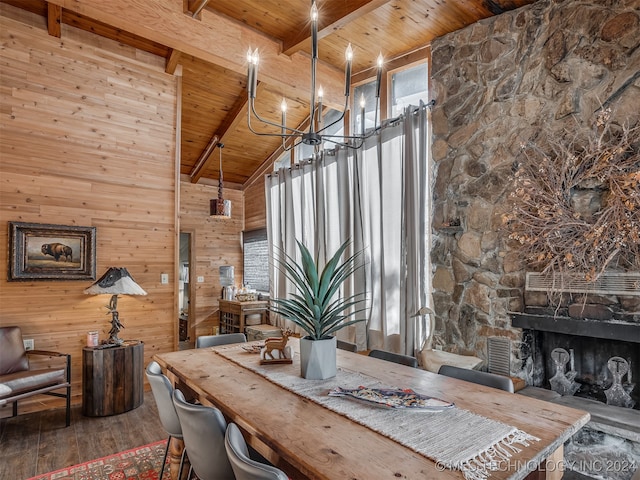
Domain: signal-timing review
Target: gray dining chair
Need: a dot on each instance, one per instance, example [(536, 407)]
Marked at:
[(244, 467), (162, 393), (348, 346), (475, 376), (203, 430), (224, 339), (394, 357)]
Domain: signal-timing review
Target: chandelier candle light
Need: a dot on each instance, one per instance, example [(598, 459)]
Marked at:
[(315, 135)]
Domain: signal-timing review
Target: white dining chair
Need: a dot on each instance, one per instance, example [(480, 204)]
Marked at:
[(475, 376), (244, 467), (224, 339)]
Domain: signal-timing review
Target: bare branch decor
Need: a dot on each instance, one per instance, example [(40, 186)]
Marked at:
[(51, 252), (576, 200)]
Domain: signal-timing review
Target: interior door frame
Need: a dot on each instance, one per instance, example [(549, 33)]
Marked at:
[(191, 311)]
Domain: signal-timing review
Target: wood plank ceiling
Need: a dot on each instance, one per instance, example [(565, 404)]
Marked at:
[(209, 39)]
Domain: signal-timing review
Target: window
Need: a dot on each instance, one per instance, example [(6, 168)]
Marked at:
[(337, 129), (256, 259), (368, 92), (408, 87), (283, 162)]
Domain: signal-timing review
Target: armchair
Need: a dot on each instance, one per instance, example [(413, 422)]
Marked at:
[(18, 380)]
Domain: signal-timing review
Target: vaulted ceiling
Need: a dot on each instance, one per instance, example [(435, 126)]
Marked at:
[(205, 41)]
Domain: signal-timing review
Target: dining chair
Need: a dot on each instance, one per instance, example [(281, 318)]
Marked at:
[(394, 357), (224, 339), (244, 467), (475, 376), (203, 429), (348, 346), (162, 393)]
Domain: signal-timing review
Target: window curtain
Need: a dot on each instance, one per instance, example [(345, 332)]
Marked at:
[(378, 197)]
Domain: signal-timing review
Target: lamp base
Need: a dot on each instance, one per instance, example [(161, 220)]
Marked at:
[(116, 326)]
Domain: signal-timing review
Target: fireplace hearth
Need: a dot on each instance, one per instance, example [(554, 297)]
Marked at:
[(590, 350)]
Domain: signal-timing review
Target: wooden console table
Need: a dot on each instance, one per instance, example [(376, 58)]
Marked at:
[(233, 313), (112, 379)]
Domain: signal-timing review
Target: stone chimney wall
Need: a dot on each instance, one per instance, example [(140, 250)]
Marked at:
[(496, 84)]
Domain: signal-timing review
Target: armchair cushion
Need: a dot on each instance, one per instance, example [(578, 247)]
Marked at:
[(21, 382), (18, 380), (13, 357)]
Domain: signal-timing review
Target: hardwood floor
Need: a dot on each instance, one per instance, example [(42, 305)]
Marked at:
[(37, 443)]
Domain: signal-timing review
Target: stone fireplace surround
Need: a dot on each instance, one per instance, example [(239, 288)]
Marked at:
[(496, 84)]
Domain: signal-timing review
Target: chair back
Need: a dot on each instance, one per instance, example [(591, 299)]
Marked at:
[(223, 339), (475, 376), (13, 357), (162, 393), (394, 357), (243, 466), (348, 346), (203, 430)]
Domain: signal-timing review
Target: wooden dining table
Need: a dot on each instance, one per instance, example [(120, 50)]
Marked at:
[(309, 441)]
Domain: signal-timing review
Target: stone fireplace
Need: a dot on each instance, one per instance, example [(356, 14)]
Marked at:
[(497, 83), (591, 327), (590, 342)]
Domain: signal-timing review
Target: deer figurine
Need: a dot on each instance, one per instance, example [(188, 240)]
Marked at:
[(277, 344)]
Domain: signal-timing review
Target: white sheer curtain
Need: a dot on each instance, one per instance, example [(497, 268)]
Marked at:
[(377, 196)]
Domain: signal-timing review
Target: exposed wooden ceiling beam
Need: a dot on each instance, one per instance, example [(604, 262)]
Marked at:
[(172, 61), (231, 120), (331, 17), (164, 22), (54, 20)]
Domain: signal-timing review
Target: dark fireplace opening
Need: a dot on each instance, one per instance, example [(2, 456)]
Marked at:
[(589, 359)]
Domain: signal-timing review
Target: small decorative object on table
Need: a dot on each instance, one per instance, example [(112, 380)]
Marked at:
[(276, 350), (246, 297)]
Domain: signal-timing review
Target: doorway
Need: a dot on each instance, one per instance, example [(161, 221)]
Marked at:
[(186, 296)]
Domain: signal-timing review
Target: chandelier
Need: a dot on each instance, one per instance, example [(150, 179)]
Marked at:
[(220, 207), (317, 132)]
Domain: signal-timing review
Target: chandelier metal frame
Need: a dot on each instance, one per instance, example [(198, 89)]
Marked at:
[(316, 133)]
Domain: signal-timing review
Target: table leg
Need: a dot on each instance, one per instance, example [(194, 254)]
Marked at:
[(550, 469), (176, 447)]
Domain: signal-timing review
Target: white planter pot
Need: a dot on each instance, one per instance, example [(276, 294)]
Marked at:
[(318, 358)]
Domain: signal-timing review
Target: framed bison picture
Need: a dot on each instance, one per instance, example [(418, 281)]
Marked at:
[(51, 252)]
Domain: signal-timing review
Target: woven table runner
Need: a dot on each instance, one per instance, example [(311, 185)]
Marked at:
[(454, 437)]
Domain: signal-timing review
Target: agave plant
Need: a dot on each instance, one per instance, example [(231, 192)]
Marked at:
[(314, 308)]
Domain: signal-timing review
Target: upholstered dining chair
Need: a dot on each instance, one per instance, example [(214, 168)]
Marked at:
[(224, 339), (18, 380), (475, 376), (244, 467), (348, 346), (162, 393), (394, 357), (203, 428)]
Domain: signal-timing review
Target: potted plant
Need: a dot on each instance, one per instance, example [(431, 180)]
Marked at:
[(316, 309)]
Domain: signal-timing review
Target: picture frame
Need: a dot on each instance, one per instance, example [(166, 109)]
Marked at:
[(51, 252)]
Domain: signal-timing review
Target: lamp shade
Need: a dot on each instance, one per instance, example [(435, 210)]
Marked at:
[(116, 281)]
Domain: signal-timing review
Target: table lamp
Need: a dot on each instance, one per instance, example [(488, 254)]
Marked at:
[(116, 281)]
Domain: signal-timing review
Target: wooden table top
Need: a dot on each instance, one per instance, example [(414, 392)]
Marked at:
[(310, 441)]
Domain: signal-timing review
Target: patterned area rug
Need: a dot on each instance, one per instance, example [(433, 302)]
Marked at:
[(140, 463)]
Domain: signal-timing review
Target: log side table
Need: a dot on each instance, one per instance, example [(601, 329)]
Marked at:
[(112, 379)]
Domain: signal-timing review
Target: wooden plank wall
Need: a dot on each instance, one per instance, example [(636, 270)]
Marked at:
[(255, 207), (217, 243), (87, 138)]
